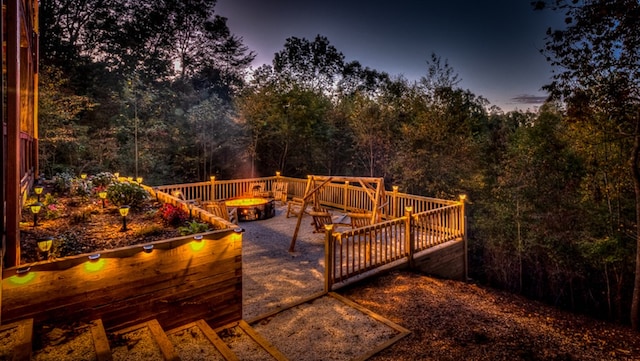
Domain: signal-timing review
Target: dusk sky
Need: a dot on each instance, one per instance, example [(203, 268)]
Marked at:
[(493, 45)]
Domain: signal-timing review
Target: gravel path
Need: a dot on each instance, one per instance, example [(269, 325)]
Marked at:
[(273, 277)]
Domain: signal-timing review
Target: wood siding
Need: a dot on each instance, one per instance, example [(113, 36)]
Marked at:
[(181, 280)]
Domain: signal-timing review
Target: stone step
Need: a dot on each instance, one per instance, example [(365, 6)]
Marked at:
[(144, 341)]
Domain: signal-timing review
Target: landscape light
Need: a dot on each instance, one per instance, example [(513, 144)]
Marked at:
[(102, 195), (44, 244), (38, 191), (124, 211), (35, 209)]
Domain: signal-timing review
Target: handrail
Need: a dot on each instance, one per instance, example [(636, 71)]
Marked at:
[(352, 252)]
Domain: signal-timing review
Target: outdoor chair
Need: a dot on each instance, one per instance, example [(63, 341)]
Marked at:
[(220, 209), (280, 191), (321, 217), (295, 206), (359, 218)]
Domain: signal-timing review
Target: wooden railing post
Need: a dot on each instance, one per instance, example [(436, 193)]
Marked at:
[(346, 195), (394, 203), (463, 228), (213, 188), (329, 257), (409, 236)]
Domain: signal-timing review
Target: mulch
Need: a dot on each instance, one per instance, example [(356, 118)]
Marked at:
[(453, 320)]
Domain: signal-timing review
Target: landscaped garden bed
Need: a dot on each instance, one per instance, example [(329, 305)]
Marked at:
[(78, 220)]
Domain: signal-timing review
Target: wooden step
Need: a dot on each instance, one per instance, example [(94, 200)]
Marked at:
[(15, 340), (197, 341), (76, 341), (144, 341), (246, 343)]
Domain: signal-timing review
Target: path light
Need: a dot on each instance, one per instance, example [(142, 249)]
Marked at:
[(124, 211), (35, 209), (103, 196), (44, 245), (38, 191)]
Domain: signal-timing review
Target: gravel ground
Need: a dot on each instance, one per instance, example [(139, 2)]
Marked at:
[(448, 320), (272, 277)]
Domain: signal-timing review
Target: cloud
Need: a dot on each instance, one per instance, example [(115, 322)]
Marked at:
[(528, 99)]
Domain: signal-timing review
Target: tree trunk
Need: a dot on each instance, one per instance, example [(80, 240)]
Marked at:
[(635, 302)]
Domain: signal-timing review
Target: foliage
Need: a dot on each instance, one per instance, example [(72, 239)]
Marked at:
[(193, 227), (81, 187), (103, 179), (173, 216), (597, 54), (125, 193), (63, 183)]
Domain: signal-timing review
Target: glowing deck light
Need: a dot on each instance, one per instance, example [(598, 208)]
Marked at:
[(95, 265), (147, 248)]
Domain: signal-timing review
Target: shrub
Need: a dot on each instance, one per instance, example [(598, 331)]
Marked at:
[(62, 183), (193, 227), (173, 216), (81, 187), (125, 193), (103, 179)]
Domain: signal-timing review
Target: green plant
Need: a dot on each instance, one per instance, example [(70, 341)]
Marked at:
[(103, 179), (62, 182), (193, 227), (81, 187), (125, 193)]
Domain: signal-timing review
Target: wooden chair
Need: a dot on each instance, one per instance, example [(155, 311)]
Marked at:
[(220, 209), (321, 217), (295, 206), (360, 218), (258, 190), (280, 191)]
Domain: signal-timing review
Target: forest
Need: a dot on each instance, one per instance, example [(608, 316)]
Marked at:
[(164, 90)]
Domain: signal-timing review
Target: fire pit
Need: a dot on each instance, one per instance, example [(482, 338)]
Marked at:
[(254, 208)]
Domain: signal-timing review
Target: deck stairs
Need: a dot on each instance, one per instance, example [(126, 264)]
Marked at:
[(145, 341)]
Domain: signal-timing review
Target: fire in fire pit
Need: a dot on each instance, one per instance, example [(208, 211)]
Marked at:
[(254, 208)]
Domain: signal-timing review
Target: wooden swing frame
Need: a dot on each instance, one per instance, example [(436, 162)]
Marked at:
[(374, 187)]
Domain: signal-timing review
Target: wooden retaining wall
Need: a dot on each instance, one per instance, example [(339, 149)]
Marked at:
[(180, 280), (445, 260)]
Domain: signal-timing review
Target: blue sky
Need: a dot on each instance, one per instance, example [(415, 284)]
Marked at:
[(493, 45)]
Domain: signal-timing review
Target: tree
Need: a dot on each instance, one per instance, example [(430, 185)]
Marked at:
[(315, 65), (597, 56)]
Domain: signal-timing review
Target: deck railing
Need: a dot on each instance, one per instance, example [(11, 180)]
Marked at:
[(410, 223), (352, 252), (347, 197)]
